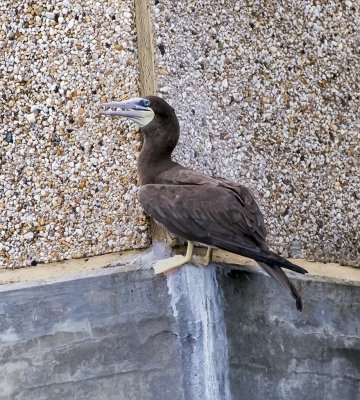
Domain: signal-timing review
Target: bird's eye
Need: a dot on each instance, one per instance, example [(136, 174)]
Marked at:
[(145, 103)]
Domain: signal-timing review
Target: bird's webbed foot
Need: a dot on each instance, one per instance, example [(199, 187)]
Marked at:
[(167, 264)]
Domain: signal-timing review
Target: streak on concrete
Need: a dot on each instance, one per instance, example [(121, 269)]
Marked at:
[(198, 304)]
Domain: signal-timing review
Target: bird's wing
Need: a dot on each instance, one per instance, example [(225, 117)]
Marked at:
[(245, 198), (223, 217), (215, 215), (253, 214)]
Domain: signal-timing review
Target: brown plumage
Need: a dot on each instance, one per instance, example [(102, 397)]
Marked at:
[(213, 211)]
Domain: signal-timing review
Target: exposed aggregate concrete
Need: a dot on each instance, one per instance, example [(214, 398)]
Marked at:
[(268, 95), (68, 185)]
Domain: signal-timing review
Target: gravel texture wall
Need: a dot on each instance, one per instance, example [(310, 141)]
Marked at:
[(67, 177), (268, 95)]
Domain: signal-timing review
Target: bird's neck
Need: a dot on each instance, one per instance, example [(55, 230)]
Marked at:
[(160, 139), (154, 158), (152, 161)]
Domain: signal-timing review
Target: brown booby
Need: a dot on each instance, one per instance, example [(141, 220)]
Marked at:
[(199, 208)]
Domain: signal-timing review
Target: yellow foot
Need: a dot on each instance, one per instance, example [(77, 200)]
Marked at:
[(208, 258), (173, 262), (170, 263)]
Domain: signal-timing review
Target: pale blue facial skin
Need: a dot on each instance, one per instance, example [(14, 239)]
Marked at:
[(138, 110)]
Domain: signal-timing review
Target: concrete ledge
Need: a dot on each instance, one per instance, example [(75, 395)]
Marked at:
[(112, 334), (71, 269)]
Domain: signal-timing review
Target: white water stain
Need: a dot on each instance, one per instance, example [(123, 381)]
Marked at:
[(196, 291), (157, 251)]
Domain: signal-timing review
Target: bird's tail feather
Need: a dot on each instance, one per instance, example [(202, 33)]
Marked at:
[(279, 275), (273, 259)]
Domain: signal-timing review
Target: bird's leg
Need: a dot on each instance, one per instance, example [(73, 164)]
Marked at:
[(174, 262), (208, 257)]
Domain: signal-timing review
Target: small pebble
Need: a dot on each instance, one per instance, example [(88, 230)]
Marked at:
[(28, 236), (31, 117)]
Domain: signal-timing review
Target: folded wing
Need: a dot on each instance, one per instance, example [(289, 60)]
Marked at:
[(224, 216)]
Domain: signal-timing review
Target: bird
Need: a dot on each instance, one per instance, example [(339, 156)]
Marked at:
[(213, 211)]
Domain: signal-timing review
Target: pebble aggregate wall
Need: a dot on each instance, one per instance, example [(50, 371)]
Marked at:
[(268, 94), (67, 177)]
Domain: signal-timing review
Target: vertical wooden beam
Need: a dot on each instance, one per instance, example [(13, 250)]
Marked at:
[(147, 81), (147, 84)]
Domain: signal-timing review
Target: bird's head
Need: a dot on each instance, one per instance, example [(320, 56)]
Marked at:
[(142, 111)]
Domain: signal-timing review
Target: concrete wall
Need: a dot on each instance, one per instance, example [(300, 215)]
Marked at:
[(106, 337), (114, 336), (67, 177), (279, 354), (267, 95)]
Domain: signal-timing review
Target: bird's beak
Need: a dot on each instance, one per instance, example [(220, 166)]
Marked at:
[(133, 109)]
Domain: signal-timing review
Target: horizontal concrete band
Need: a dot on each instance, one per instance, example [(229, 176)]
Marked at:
[(69, 269)]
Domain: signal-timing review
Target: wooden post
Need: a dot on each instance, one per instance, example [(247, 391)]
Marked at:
[(147, 82)]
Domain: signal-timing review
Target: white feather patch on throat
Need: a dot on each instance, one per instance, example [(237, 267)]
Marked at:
[(143, 118)]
